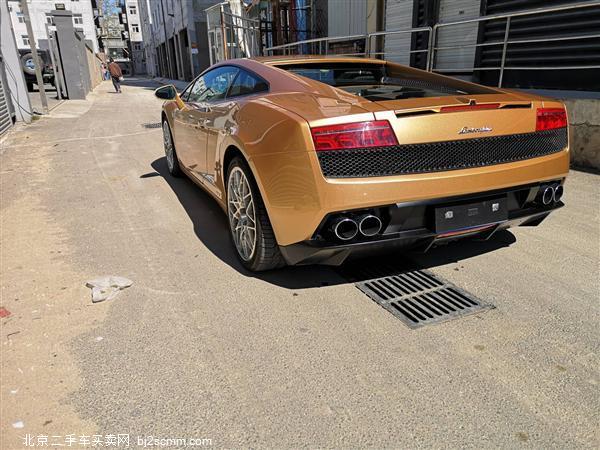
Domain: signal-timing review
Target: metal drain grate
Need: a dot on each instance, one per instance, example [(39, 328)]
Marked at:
[(152, 125), (419, 298)]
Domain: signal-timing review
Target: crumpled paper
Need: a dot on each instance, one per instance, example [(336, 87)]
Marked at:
[(107, 288)]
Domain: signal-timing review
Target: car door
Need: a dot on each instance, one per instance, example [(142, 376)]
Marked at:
[(186, 124), (216, 85), (207, 92), (220, 120)]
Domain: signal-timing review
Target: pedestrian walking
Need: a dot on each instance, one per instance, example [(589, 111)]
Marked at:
[(116, 74)]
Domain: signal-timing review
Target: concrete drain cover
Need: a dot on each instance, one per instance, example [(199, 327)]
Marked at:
[(418, 297)]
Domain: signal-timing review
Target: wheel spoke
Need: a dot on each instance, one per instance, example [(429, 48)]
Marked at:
[(241, 212), (168, 144)]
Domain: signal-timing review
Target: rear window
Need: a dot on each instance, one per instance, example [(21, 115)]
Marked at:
[(377, 82)]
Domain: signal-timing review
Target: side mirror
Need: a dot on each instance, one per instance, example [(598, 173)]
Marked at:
[(167, 92)]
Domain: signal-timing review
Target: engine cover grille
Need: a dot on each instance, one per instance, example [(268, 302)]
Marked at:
[(440, 156)]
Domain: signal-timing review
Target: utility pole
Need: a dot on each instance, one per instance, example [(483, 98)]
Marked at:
[(36, 57)]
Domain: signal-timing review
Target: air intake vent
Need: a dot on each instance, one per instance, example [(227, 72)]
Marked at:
[(440, 156)]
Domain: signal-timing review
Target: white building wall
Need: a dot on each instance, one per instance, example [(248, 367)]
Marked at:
[(134, 25), (179, 15), (146, 23), (133, 19), (38, 10)]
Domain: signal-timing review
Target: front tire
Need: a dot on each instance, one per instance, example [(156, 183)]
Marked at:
[(249, 223), (170, 153)]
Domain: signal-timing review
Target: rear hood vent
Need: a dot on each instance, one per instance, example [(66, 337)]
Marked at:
[(461, 108)]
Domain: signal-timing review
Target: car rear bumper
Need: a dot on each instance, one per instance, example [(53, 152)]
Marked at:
[(298, 197), (410, 226)]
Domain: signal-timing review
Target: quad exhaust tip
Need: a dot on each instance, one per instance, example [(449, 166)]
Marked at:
[(558, 193), (345, 229), (369, 225), (550, 194)]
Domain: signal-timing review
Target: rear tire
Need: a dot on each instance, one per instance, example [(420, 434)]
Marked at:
[(249, 224), (170, 153)]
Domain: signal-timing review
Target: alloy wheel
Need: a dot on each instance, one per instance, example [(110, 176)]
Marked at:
[(168, 144), (241, 212)]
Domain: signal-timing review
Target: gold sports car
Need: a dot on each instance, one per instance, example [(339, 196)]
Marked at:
[(315, 159)]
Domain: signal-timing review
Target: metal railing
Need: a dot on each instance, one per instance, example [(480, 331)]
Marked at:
[(323, 46), (427, 51), (307, 47), (231, 35), (505, 42)]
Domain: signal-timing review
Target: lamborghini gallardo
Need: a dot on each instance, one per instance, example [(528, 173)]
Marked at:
[(316, 159)]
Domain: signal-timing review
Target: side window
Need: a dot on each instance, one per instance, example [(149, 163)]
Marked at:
[(213, 85), (247, 83)]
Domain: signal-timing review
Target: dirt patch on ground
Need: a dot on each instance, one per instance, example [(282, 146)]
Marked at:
[(48, 305)]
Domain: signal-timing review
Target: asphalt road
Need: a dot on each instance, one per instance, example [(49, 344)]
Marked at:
[(199, 348)]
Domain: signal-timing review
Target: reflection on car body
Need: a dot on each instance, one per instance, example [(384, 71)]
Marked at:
[(315, 159)]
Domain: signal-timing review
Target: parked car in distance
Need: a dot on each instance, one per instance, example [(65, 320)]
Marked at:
[(315, 159), (28, 66)]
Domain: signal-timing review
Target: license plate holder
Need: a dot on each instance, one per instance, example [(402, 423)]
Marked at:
[(462, 216)]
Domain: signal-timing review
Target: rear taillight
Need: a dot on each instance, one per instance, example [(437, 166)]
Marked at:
[(550, 118), (376, 133)]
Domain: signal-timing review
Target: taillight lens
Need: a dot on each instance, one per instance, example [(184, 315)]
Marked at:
[(377, 133), (550, 118)]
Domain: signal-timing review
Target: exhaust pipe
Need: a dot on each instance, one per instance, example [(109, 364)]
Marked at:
[(369, 225), (345, 229), (547, 195), (558, 193)]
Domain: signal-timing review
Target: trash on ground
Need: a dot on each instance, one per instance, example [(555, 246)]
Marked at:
[(14, 391), (99, 338), (4, 312), (107, 288), (18, 424)]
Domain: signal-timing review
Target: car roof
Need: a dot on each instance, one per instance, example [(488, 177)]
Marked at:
[(295, 59)]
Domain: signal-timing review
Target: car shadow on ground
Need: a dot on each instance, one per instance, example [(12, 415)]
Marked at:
[(210, 226)]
